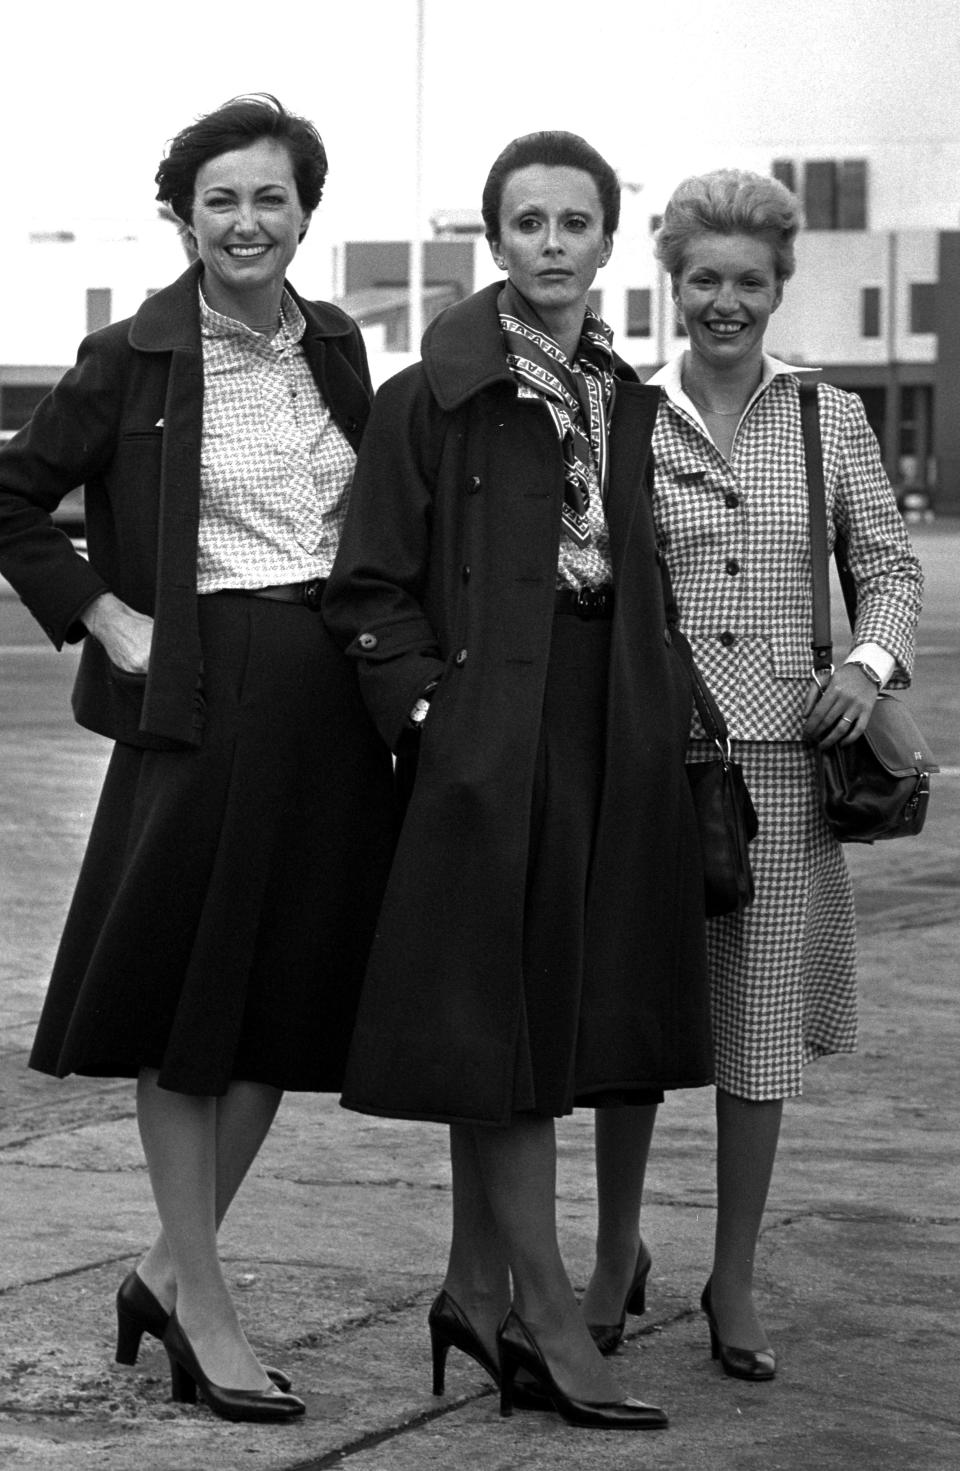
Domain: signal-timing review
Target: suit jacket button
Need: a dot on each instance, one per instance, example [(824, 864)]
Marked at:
[(473, 484), (461, 657), (731, 500), (727, 638), (733, 567), (367, 640), (667, 636)]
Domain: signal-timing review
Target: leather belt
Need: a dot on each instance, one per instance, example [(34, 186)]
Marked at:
[(585, 602), (308, 593)]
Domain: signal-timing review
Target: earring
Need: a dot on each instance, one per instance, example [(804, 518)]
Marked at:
[(501, 263), (603, 260)]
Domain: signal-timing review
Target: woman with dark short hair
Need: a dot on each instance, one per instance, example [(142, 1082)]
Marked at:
[(541, 943), (732, 519), (219, 930)]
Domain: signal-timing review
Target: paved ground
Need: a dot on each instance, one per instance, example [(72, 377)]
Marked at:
[(337, 1244)]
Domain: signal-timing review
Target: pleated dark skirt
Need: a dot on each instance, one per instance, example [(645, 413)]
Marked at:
[(221, 921), (568, 788)]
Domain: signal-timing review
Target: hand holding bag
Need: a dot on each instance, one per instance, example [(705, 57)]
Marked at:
[(725, 813), (878, 787)]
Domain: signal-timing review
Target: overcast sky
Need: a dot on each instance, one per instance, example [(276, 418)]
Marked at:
[(91, 91)]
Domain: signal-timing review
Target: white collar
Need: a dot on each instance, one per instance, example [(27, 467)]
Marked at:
[(670, 379)]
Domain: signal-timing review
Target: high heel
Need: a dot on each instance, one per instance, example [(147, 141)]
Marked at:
[(519, 1350), (739, 1363), (451, 1328), (139, 1312), (187, 1378), (608, 1336)]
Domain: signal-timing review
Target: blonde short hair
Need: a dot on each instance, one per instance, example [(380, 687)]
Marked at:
[(730, 202)]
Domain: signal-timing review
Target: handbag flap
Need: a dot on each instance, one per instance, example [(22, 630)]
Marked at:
[(895, 739)]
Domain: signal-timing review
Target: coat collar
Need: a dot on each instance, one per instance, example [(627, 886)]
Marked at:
[(170, 319), (462, 350)]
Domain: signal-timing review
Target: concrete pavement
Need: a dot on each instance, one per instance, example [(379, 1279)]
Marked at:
[(337, 1243)]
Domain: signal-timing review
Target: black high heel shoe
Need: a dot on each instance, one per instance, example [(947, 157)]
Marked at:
[(739, 1363), (187, 1377), (519, 1350), (451, 1328), (608, 1336), (139, 1312)]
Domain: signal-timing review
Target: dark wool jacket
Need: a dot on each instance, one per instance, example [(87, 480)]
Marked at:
[(126, 423), (447, 570)]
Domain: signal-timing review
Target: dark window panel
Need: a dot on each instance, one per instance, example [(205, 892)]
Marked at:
[(923, 306), (820, 194), (852, 194), (785, 170), (99, 304), (638, 312), (870, 311)]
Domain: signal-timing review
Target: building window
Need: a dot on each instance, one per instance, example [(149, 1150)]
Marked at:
[(923, 306), (870, 311), (638, 312), (785, 170), (852, 194), (98, 308), (835, 194)]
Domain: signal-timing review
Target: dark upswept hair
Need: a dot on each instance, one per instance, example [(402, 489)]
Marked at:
[(730, 202), (240, 123), (555, 150)]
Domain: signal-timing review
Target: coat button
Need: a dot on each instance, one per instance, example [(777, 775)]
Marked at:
[(667, 636), (727, 638), (460, 657), (367, 640), (731, 500), (473, 484), (733, 567), (465, 573)]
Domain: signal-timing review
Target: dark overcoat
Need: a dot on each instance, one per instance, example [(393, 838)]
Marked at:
[(447, 570), (126, 422)]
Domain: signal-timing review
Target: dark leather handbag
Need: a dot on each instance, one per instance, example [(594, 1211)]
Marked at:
[(725, 812), (878, 787)]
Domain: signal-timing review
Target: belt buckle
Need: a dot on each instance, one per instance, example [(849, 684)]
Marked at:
[(592, 601), (311, 593)]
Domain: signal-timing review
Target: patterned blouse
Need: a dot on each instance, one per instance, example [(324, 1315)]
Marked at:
[(276, 469), (736, 539)]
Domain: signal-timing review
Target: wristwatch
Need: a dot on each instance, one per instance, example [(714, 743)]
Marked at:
[(868, 670)]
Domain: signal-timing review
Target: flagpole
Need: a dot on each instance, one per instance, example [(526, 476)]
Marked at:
[(415, 313)]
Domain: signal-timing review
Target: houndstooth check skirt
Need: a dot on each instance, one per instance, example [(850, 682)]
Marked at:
[(782, 973)]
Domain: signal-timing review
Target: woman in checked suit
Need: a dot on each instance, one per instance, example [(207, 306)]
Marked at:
[(730, 507)]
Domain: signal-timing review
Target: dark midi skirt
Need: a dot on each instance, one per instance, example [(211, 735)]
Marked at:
[(568, 788), (222, 917)]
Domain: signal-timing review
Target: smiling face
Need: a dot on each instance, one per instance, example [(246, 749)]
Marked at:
[(727, 291), (551, 240), (247, 222)]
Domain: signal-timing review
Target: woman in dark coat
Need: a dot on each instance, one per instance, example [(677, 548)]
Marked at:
[(216, 942), (541, 940)]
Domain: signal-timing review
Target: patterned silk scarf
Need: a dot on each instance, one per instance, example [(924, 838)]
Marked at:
[(579, 396)]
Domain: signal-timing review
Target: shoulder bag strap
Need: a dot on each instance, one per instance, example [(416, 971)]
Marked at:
[(822, 643), (711, 716)]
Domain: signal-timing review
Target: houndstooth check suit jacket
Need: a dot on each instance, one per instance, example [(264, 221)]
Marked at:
[(736, 540)]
